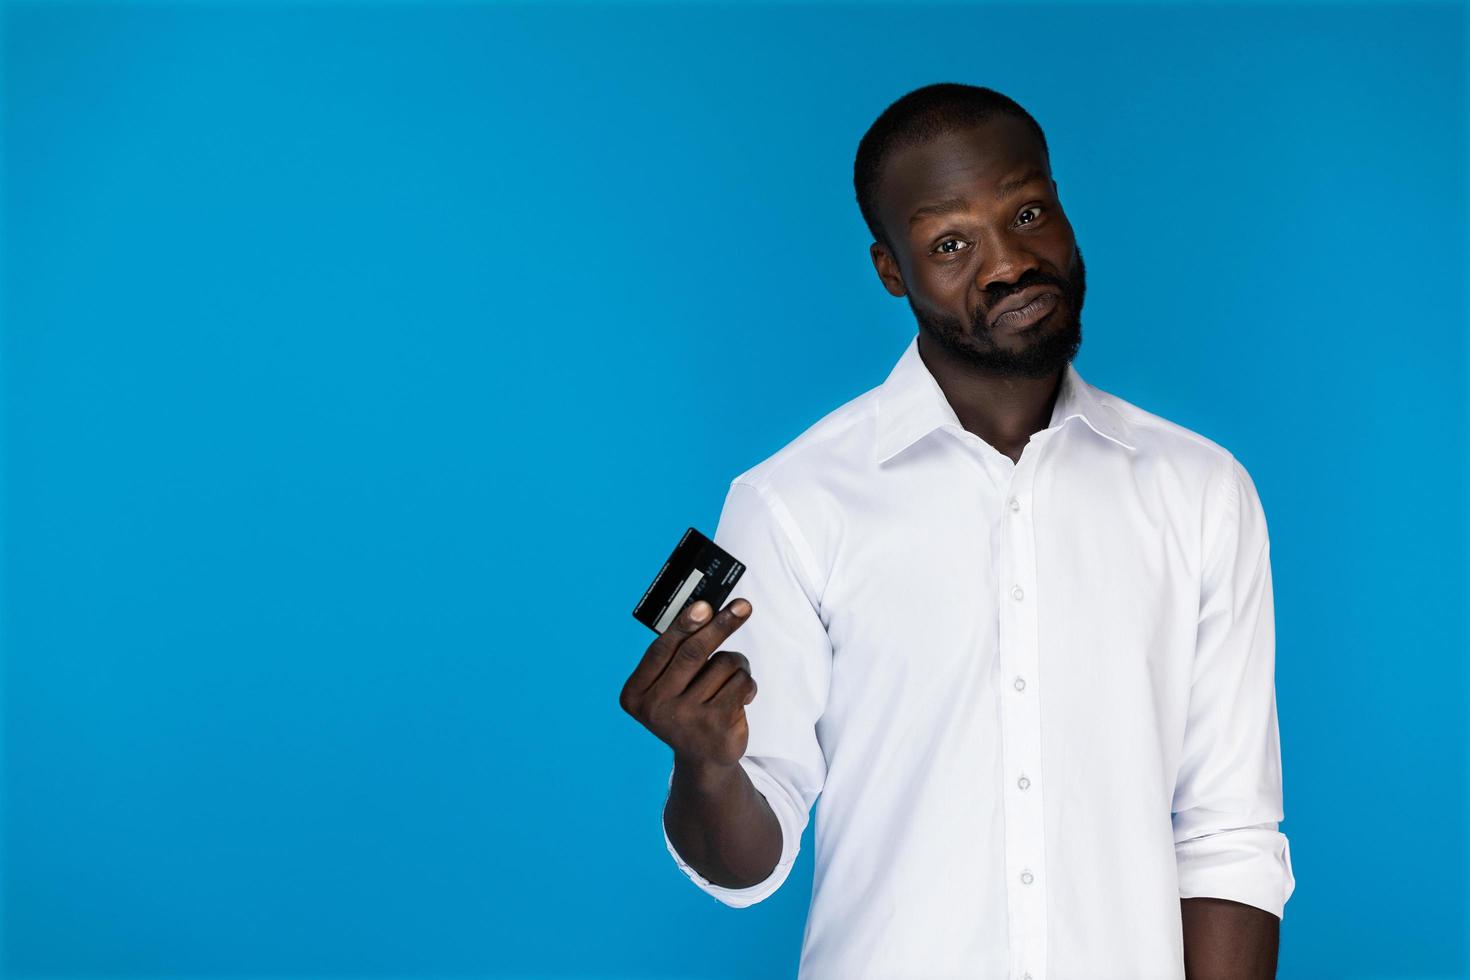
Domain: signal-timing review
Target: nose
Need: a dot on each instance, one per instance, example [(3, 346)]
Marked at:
[(1006, 258)]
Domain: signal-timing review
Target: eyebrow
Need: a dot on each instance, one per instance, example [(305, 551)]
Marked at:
[(952, 205)]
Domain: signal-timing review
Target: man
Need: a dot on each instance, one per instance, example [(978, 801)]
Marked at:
[(1017, 632)]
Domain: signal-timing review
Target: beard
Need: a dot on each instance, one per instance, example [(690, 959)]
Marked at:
[(1045, 347)]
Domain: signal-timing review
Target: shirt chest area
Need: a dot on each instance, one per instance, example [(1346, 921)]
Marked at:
[(955, 574)]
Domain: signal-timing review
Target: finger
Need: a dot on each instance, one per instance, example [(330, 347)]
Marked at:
[(689, 657), (661, 650), (738, 691), (717, 669)]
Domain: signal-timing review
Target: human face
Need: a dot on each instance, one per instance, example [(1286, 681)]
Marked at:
[(976, 226)]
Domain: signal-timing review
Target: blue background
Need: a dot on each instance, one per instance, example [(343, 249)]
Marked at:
[(362, 362)]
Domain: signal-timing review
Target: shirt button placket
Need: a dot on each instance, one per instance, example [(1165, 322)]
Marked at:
[(1021, 731)]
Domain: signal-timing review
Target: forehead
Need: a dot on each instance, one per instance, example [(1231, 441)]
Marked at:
[(969, 163)]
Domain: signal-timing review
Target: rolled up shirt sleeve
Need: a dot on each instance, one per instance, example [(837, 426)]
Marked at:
[(1227, 802), (790, 658)]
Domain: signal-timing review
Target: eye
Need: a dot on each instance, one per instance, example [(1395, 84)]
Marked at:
[(940, 248), (1036, 208)]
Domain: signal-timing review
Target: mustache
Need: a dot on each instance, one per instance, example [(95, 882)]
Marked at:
[(980, 318), (992, 298)]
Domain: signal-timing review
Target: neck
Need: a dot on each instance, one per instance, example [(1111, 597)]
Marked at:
[(1003, 409)]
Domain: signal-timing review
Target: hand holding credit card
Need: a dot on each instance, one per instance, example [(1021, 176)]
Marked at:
[(685, 690), (697, 569)]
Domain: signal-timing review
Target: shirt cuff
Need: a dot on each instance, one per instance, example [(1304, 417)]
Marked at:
[(740, 898), (1251, 865)]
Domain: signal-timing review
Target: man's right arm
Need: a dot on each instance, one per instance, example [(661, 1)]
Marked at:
[(721, 824), (747, 767)]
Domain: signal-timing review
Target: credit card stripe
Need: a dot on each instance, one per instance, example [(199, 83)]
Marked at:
[(677, 602)]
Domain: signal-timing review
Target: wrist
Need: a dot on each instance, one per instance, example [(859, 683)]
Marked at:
[(706, 777)]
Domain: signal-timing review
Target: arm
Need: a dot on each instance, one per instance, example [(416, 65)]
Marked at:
[(727, 828), (722, 825), (1225, 940), (1234, 864)]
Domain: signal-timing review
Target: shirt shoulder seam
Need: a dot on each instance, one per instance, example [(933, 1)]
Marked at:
[(790, 531)]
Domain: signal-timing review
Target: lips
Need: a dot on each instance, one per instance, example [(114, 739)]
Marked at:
[(1025, 308)]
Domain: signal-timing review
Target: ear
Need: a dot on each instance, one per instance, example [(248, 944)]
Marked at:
[(887, 268)]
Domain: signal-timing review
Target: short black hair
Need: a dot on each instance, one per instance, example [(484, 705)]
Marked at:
[(917, 118)]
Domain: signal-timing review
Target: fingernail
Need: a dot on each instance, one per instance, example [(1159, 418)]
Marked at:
[(740, 607), (698, 611)]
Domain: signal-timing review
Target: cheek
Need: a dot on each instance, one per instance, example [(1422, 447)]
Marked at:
[(953, 283), (1065, 244)]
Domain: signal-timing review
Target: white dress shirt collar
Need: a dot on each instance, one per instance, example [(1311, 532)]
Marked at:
[(911, 405)]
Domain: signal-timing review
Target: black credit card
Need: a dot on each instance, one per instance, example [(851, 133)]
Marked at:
[(698, 569)]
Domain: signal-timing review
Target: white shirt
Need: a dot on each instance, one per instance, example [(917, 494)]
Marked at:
[(1037, 698)]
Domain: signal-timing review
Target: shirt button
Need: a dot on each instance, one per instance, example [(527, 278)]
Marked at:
[(1023, 782), (1026, 877), (1020, 683), (1015, 504), (1016, 592)]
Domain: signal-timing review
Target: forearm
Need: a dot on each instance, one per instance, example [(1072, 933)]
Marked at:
[(1225, 940), (722, 825)]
